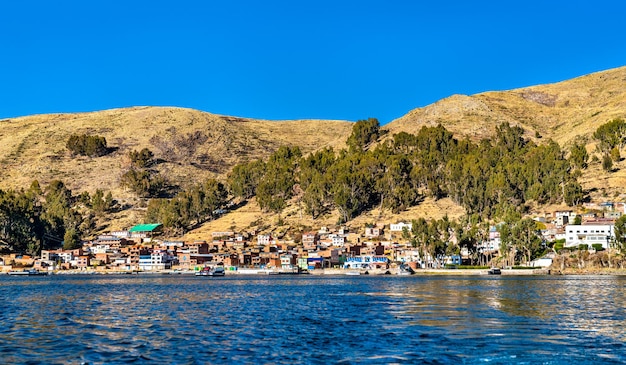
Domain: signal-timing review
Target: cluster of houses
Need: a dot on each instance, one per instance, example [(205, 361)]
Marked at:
[(594, 229), (141, 248)]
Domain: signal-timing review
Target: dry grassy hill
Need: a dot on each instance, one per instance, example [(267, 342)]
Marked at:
[(194, 145), (33, 147), (561, 111)]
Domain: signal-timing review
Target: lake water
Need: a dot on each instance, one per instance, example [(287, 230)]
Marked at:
[(174, 319)]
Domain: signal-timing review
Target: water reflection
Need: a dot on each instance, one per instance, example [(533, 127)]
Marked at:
[(165, 319)]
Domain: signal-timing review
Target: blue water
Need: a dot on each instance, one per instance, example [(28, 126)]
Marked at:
[(174, 319)]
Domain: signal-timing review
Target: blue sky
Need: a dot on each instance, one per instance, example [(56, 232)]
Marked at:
[(270, 59)]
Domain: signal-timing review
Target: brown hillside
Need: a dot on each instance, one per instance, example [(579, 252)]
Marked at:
[(33, 147), (563, 111), (560, 111)]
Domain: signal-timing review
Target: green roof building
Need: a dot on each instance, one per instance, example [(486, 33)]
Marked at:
[(146, 228)]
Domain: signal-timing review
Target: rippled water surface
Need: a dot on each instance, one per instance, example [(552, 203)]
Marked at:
[(151, 319)]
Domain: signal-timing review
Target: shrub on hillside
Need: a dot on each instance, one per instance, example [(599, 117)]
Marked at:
[(86, 145), (143, 182), (141, 159)]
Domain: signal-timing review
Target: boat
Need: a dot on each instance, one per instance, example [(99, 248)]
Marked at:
[(287, 271), (212, 271), (31, 272), (494, 271), (353, 273), (405, 270)]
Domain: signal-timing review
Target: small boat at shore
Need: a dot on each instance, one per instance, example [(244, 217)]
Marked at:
[(31, 272), (212, 271), (405, 270), (357, 273), (287, 272), (494, 271)]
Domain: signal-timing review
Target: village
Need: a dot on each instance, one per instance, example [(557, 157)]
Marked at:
[(379, 248)]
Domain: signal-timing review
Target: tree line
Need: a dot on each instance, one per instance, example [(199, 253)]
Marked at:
[(36, 218), (486, 178)]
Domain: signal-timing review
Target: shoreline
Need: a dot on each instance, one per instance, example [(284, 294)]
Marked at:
[(374, 272)]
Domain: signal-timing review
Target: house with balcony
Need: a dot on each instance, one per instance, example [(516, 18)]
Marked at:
[(589, 234), (310, 240)]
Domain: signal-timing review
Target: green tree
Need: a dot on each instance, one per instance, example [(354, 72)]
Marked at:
[(352, 185), (20, 225), (395, 184), (316, 196), (244, 178), (108, 201), (142, 159), (611, 135), (189, 208), (578, 155), (101, 203), (620, 234), (519, 237), (71, 239), (144, 183), (314, 181), (97, 202), (86, 145), (578, 220), (276, 185), (607, 163), (615, 155), (573, 193), (364, 132), (57, 208)]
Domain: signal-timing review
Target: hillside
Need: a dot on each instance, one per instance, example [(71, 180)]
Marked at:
[(563, 111), (192, 145), (33, 147), (560, 111)]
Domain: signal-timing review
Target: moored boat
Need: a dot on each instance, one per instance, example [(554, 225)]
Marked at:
[(31, 272), (405, 270), (494, 271), (212, 271)]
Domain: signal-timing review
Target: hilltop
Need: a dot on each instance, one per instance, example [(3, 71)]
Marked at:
[(561, 111), (192, 145)]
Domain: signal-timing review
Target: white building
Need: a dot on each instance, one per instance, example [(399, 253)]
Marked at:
[(121, 234), (408, 255), (589, 234), (264, 239), (100, 249), (398, 227), (338, 240), (157, 260), (365, 262), (66, 256)]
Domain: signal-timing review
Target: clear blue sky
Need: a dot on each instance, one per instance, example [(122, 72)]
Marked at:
[(293, 59)]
